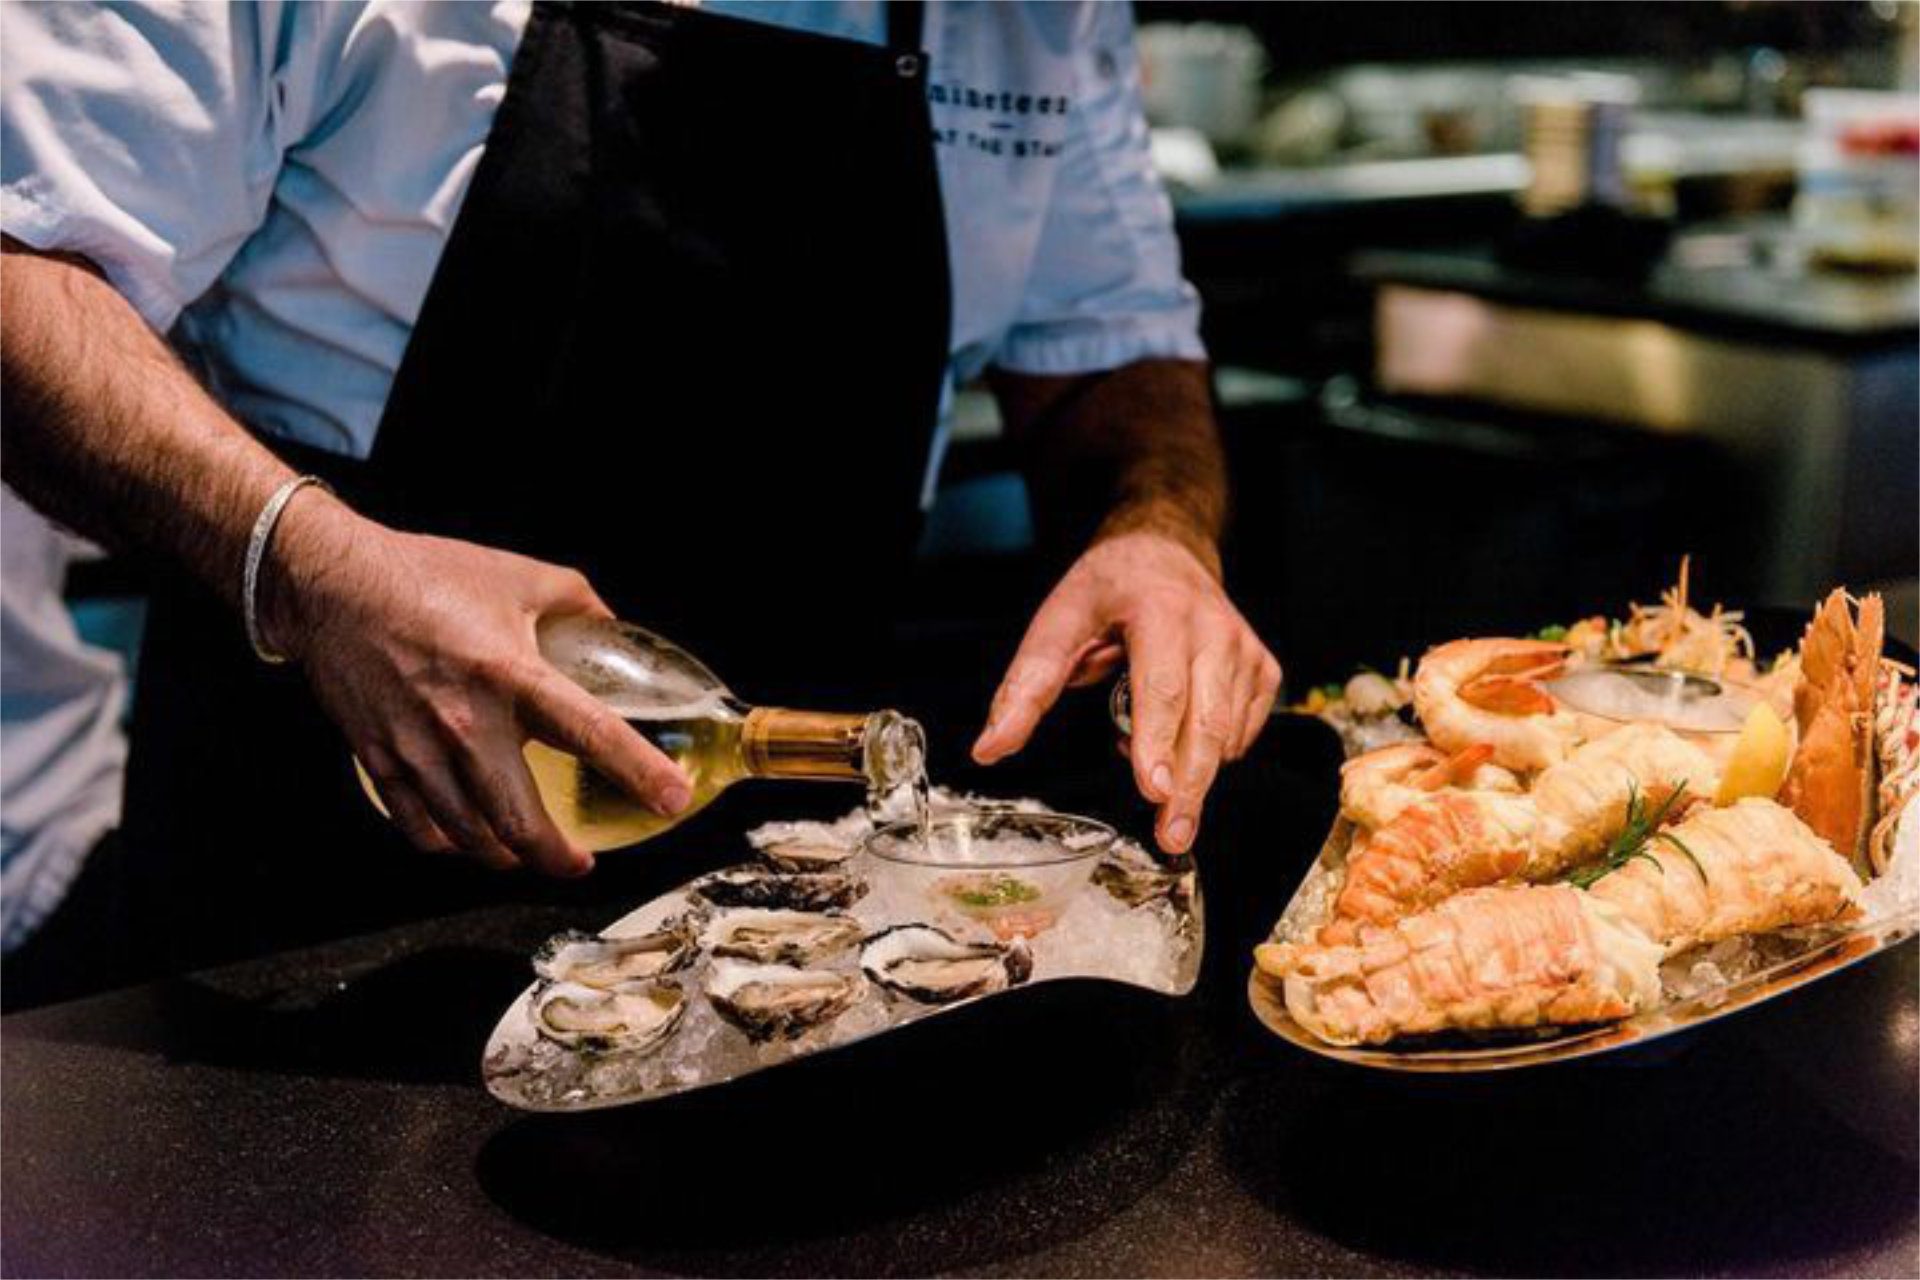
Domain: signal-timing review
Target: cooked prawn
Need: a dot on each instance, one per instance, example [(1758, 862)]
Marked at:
[(1508, 957), (1491, 691), (1376, 786)]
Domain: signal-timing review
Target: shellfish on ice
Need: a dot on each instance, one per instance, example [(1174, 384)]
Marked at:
[(632, 1017), (798, 938), (933, 967), (761, 887), (595, 961), (773, 1001)]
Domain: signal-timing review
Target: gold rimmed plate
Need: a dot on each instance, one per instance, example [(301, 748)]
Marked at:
[(1790, 960)]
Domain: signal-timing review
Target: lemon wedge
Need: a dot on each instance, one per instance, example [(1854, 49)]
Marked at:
[(1759, 762)]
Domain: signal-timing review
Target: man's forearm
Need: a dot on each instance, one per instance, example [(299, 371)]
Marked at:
[(1130, 463), (1134, 448), (108, 433)]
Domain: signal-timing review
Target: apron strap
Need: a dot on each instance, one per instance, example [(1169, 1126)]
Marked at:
[(906, 22)]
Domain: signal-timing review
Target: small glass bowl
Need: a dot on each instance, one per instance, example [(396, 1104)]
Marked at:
[(1012, 872), (1626, 693), (1708, 711)]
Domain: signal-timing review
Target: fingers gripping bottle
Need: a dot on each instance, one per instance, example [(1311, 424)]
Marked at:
[(666, 694)]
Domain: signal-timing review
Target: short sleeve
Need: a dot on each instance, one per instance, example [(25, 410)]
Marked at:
[(1106, 288), (146, 137)]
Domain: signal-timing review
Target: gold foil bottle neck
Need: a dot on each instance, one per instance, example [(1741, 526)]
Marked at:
[(780, 743)]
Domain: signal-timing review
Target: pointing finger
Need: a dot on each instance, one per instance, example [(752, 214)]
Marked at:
[(1034, 678), (1205, 735), (1266, 690), (1157, 656)]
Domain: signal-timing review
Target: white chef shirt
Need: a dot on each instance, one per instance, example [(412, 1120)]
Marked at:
[(275, 182), (62, 751)]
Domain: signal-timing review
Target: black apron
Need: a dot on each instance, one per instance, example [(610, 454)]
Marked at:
[(688, 336)]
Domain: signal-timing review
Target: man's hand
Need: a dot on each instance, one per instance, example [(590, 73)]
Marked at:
[(1203, 683), (1127, 462), (423, 650)]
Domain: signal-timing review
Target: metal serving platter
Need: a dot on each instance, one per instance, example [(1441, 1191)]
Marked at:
[(1154, 943), (1781, 963)]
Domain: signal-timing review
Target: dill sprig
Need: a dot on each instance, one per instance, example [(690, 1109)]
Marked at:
[(1641, 829)]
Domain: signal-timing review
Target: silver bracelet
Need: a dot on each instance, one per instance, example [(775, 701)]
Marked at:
[(257, 554)]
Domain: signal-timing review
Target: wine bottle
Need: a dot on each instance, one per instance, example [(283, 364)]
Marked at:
[(681, 707)]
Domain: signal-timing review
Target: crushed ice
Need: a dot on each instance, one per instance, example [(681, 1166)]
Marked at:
[(1153, 945)]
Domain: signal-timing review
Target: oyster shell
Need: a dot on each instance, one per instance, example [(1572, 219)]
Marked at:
[(595, 961), (799, 938), (772, 1001), (1137, 883), (933, 967), (802, 855), (632, 1017), (761, 887)]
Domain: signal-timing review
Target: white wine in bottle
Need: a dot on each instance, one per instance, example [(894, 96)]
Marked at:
[(683, 708)]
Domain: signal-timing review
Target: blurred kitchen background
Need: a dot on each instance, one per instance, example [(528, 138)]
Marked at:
[(1512, 305)]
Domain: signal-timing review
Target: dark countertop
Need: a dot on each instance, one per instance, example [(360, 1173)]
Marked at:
[(1266, 194), (321, 1112), (1718, 281)]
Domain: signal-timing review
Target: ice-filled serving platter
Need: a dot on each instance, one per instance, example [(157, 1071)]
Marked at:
[(835, 933), (1563, 844)]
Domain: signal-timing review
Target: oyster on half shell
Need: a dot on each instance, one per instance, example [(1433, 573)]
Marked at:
[(933, 967), (773, 1001), (1136, 883), (763, 887), (632, 1017), (595, 961), (799, 854), (799, 938)]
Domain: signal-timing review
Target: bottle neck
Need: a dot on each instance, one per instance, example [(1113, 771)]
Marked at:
[(776, 742)]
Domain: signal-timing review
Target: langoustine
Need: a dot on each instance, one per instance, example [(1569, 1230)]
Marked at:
[(1435, 823), (1749, 868), (1584, 800), (1508, 957), (1830, 783), (1453, 840), (1435, 848)]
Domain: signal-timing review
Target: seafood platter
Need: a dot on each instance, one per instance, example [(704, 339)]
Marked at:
[(835, 933), (1556, 845)]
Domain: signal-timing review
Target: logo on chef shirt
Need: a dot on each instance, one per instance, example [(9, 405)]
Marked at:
[(998, 122)]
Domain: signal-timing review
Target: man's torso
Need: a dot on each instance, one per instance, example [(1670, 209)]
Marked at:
[(303, 331)]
